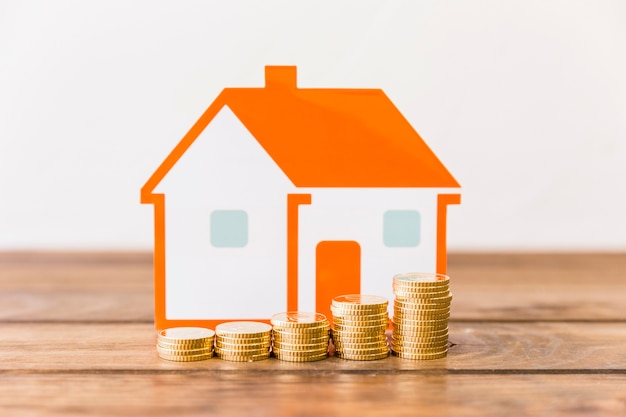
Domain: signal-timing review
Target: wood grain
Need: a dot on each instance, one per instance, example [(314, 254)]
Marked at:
[(538, 286), (531, 335), (493, 347), (239, 394), (109, 287)]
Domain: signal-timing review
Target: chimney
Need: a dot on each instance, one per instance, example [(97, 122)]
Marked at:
[(280, 77)]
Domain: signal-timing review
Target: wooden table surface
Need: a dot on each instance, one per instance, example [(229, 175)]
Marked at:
[(530, 335)]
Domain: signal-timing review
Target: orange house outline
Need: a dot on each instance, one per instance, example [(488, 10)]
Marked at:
[(339, 132)]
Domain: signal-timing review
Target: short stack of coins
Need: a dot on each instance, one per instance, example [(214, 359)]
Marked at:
[(243, 341), (185, 344), (300, 336), (421, 314), (360, 322)]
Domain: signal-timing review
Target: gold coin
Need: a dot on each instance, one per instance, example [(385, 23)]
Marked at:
[(310, 352), (401, 328), (183, 358), (238, 350), (311, 332), (356, 343), (303, 333), (421, 311), (359, 345), (405, 295), (183, 335), (243, 329), (355, 309), (243, 340), (421, 336), (413, 333), (421, 286), (351, 357), (184, 347), (421, 339), (362, 321), (359, 351), (243, 347), (291, 358), (425, 321), (364, 346), (298, 319), (421, 324), (420, 306), (365, 342), (421, 278), (350, 316), (174, 352), (411, 349), (247, 349), (409, 331), (423, 302), (423, 318), (421, 356), (380, 327), (301, 342), (419, 318), (421, 296), (418, 309), (418, 343), (240, 340), (243, 358), (302, 346), (296, 342), (424, 285), (417, 346), (360, 335), (300, 334), (359, 300), (431, 292), (420, 351), (363, 326), (367, 313)]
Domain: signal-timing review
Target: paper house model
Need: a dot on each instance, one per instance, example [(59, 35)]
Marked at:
[(280, 198)]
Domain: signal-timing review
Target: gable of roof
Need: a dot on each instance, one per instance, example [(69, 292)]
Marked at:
[(325, 137)]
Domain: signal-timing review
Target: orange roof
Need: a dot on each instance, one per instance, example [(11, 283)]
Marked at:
[(325, 137)]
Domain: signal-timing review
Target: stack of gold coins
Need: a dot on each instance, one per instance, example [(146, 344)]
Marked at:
[(243, 341), (360, 322), (185, 344), (300, 336), (421, 314)]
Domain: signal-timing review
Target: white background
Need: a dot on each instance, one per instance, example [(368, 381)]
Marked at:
[(523, 101)]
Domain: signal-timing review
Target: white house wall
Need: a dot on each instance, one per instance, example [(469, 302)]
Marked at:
[(357, 214), (225, 169)]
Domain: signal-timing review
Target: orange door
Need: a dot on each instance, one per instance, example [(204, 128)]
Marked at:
[(337, 272)]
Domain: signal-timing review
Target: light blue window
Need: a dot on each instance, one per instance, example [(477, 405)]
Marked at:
[(401, 228), (229, 228)]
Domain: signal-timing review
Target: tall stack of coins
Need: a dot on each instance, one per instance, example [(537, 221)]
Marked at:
[(243, 341), (360, 322), (300, 336), (421, 314), (185, 344)]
